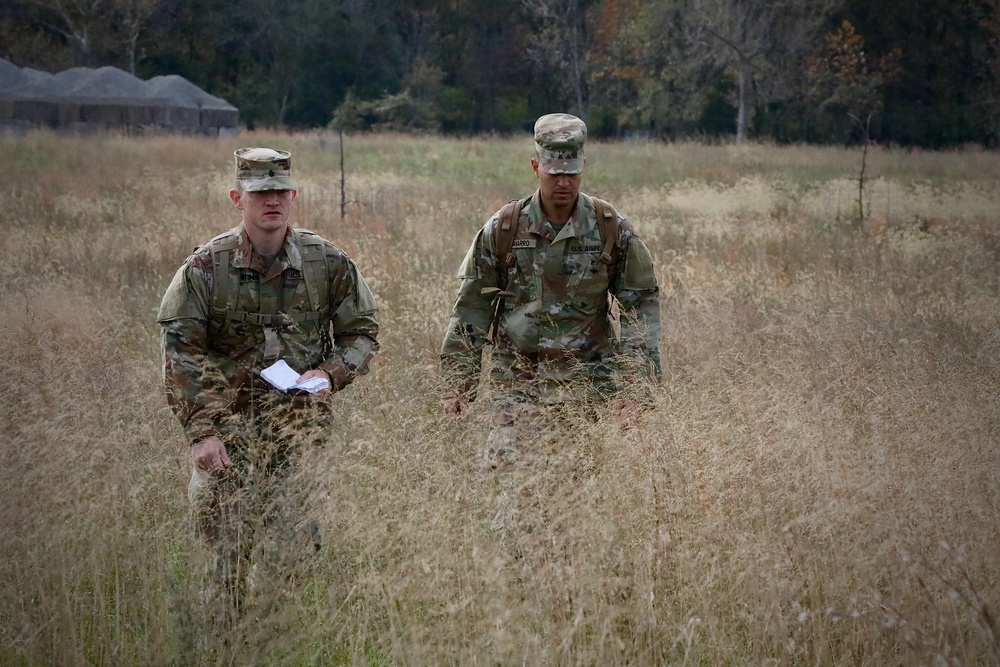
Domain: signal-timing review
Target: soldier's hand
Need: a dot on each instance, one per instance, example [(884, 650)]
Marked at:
[(318, 373), (210, 454), (457, 406)]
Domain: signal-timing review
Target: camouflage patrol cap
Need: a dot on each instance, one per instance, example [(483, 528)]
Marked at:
[(264, 169), (559, 141)]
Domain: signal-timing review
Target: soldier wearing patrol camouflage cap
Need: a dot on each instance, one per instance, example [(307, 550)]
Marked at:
[(559, 139), (536, 282), (259, 169), (261, 292)]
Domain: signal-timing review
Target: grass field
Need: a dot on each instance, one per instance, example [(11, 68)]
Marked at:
[(818, 484)]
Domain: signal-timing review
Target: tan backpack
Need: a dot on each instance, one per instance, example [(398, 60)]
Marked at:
[(506, 229)]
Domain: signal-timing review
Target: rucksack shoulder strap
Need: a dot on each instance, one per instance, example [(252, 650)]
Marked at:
[(222, 247), (506, 230), (315, 270), (504, 233), (607, 226)]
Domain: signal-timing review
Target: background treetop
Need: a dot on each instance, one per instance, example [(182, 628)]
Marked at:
[(926, 72)]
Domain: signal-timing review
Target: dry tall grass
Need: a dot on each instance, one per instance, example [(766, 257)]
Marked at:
[(819, 482)]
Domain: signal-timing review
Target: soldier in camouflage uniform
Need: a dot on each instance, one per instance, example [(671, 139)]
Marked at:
[(260, 292), (547, 303)]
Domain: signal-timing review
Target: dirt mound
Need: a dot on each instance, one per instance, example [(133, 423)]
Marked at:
[(104, 82), (85, 99), (183, 93)]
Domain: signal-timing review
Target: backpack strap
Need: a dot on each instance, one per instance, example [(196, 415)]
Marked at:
[(314, 271), (222, 247), (506, 229), (223, 296), (316, 274), (503, 235), (607, 225), (503, 248)]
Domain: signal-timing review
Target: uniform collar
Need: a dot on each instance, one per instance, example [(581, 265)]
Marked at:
[(244, 257), (583, 220)]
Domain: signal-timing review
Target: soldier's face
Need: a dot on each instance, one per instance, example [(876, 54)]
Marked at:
[(557, 190), (267, 210)]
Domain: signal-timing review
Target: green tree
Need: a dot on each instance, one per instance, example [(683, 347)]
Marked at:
[(26, 42), (846, 81), (943, 68), (561, 46), (88, 33), (755, 44), (988, 57), (282, 65), (617, 70)]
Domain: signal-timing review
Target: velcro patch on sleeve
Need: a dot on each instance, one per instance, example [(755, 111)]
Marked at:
[(176, 303), (639, 274)]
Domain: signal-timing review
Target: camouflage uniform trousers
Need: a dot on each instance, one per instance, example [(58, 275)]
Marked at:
[(253, 517), (525, 440)]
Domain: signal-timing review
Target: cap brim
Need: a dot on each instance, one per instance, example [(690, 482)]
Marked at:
[(268, 183), (557, 166)]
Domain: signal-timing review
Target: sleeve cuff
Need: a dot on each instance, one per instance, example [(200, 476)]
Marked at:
[(198, 433), (340, 377)]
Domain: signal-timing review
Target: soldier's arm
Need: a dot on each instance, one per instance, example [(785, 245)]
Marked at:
[(471, 316), (355, 329), (195, 391), (638, 296)]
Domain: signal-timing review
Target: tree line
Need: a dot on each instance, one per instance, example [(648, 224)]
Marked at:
[(912, 72)]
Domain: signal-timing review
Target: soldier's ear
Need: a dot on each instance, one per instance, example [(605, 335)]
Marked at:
[(534, 166), (237, 198)]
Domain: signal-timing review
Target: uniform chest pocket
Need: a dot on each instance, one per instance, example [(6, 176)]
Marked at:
[(523, 274), (587, 287), (228, 333), (296, 295)]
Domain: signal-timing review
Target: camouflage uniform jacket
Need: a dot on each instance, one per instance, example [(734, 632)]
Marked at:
[(554, 338), (211, 361)]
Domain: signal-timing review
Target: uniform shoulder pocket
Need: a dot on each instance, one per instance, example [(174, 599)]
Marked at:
[(638, 273), (178, 301), (469, 269), (365, 303)]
